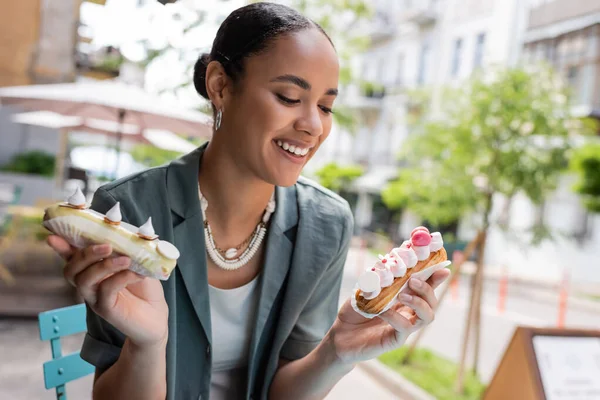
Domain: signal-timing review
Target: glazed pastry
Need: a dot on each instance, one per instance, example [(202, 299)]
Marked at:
[(81, 227), (376, 292)]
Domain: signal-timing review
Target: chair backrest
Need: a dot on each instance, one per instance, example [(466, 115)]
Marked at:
[(10, 194), (53, 325)]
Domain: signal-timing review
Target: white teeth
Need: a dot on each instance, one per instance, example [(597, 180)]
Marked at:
[(292, 148)]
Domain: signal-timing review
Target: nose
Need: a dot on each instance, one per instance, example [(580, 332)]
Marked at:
[(310, 121)]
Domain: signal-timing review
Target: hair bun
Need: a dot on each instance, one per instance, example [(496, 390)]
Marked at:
[(200, 75)]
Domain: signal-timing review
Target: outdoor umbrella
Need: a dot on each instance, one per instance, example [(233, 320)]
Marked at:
[(110, 101), (65, 124)]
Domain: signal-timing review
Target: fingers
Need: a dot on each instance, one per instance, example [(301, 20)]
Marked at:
[(438, 277), (397, 321), (83, 259), (109, 289), (423, 310), (87, 280), (424, 291), (60, 246)]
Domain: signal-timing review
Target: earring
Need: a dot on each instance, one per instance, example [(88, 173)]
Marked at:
[(218, 119)]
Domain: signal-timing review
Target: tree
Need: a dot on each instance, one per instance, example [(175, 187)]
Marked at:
[(586, 165), (152, 156), (337, 17), (337, 178), (504, 132)]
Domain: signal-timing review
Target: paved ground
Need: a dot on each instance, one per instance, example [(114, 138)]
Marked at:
[(22, 354), (21, 357)]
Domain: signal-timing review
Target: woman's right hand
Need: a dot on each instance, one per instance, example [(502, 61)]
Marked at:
[(133, 304)]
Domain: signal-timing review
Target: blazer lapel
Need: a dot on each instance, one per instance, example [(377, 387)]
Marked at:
[(188, 231), (278, 254)]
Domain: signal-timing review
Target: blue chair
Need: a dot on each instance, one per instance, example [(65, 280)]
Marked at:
[(53, 325)]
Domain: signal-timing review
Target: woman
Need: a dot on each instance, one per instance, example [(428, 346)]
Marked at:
[(267, 326)]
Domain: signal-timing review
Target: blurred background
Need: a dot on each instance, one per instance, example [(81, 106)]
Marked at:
[(477, 118)]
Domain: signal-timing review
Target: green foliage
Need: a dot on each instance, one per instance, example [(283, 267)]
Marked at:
[(337, 17), (32, 162), (433, 373), (585, 162), (335, 177), (111, 63), (152, 156), (504, 132)]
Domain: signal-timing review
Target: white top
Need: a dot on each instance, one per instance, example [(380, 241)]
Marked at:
[(232, 315)]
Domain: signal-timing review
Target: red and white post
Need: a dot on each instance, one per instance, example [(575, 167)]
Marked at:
[(458, 257), (562, 300), (502, 290)]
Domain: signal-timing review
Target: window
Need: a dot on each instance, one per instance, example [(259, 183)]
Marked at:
[(400, 70), (456, 57), (479, 49), (423, 64)]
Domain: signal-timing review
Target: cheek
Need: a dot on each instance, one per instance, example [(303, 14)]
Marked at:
[(265, 115)]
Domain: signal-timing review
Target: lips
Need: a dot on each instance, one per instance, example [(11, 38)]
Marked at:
[(293, 147)]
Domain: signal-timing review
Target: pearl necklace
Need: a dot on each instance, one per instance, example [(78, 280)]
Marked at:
[(229, 259)]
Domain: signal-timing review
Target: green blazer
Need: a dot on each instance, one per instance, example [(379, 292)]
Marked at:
[(306, 247)]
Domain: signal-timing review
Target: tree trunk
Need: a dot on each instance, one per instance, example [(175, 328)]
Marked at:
[(474, 314), (468, 329), (455, 275), (477, 316)]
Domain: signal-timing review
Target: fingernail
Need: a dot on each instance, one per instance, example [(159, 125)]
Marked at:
[(121, 261), (416, 283), (406, 297), (101, 249)]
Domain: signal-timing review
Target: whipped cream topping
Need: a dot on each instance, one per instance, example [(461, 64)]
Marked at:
[(422, 252), (147, 229), (369, 281), (385, 274), (398, 266), (398, 261), (436, 241), (77, 198), (407, 255), (167, 250), (114, 214)]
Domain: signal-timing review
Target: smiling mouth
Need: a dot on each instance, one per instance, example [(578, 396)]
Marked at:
[(293, 150)]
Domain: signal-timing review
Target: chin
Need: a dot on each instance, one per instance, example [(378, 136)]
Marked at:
[(284, 179)]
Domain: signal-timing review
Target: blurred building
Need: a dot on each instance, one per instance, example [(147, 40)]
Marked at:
[(415, 45), (43, 42), (38, 39), (429, 44), (566, 34)]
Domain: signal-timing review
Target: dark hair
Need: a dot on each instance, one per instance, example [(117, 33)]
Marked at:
[(248, 31)]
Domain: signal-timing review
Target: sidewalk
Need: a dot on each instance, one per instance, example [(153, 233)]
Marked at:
[(23, 354), (359, 385)]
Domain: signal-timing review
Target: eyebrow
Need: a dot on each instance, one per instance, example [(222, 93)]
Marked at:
[(302, 83)]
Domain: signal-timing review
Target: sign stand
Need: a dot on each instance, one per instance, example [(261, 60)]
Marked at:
[(548, 364)]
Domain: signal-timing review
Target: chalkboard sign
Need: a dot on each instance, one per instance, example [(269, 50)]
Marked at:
[(548, 364)]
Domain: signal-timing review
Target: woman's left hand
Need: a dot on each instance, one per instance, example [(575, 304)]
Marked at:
[(356, 338)]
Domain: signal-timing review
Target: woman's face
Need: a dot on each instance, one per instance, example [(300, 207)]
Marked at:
[(280, 112)]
